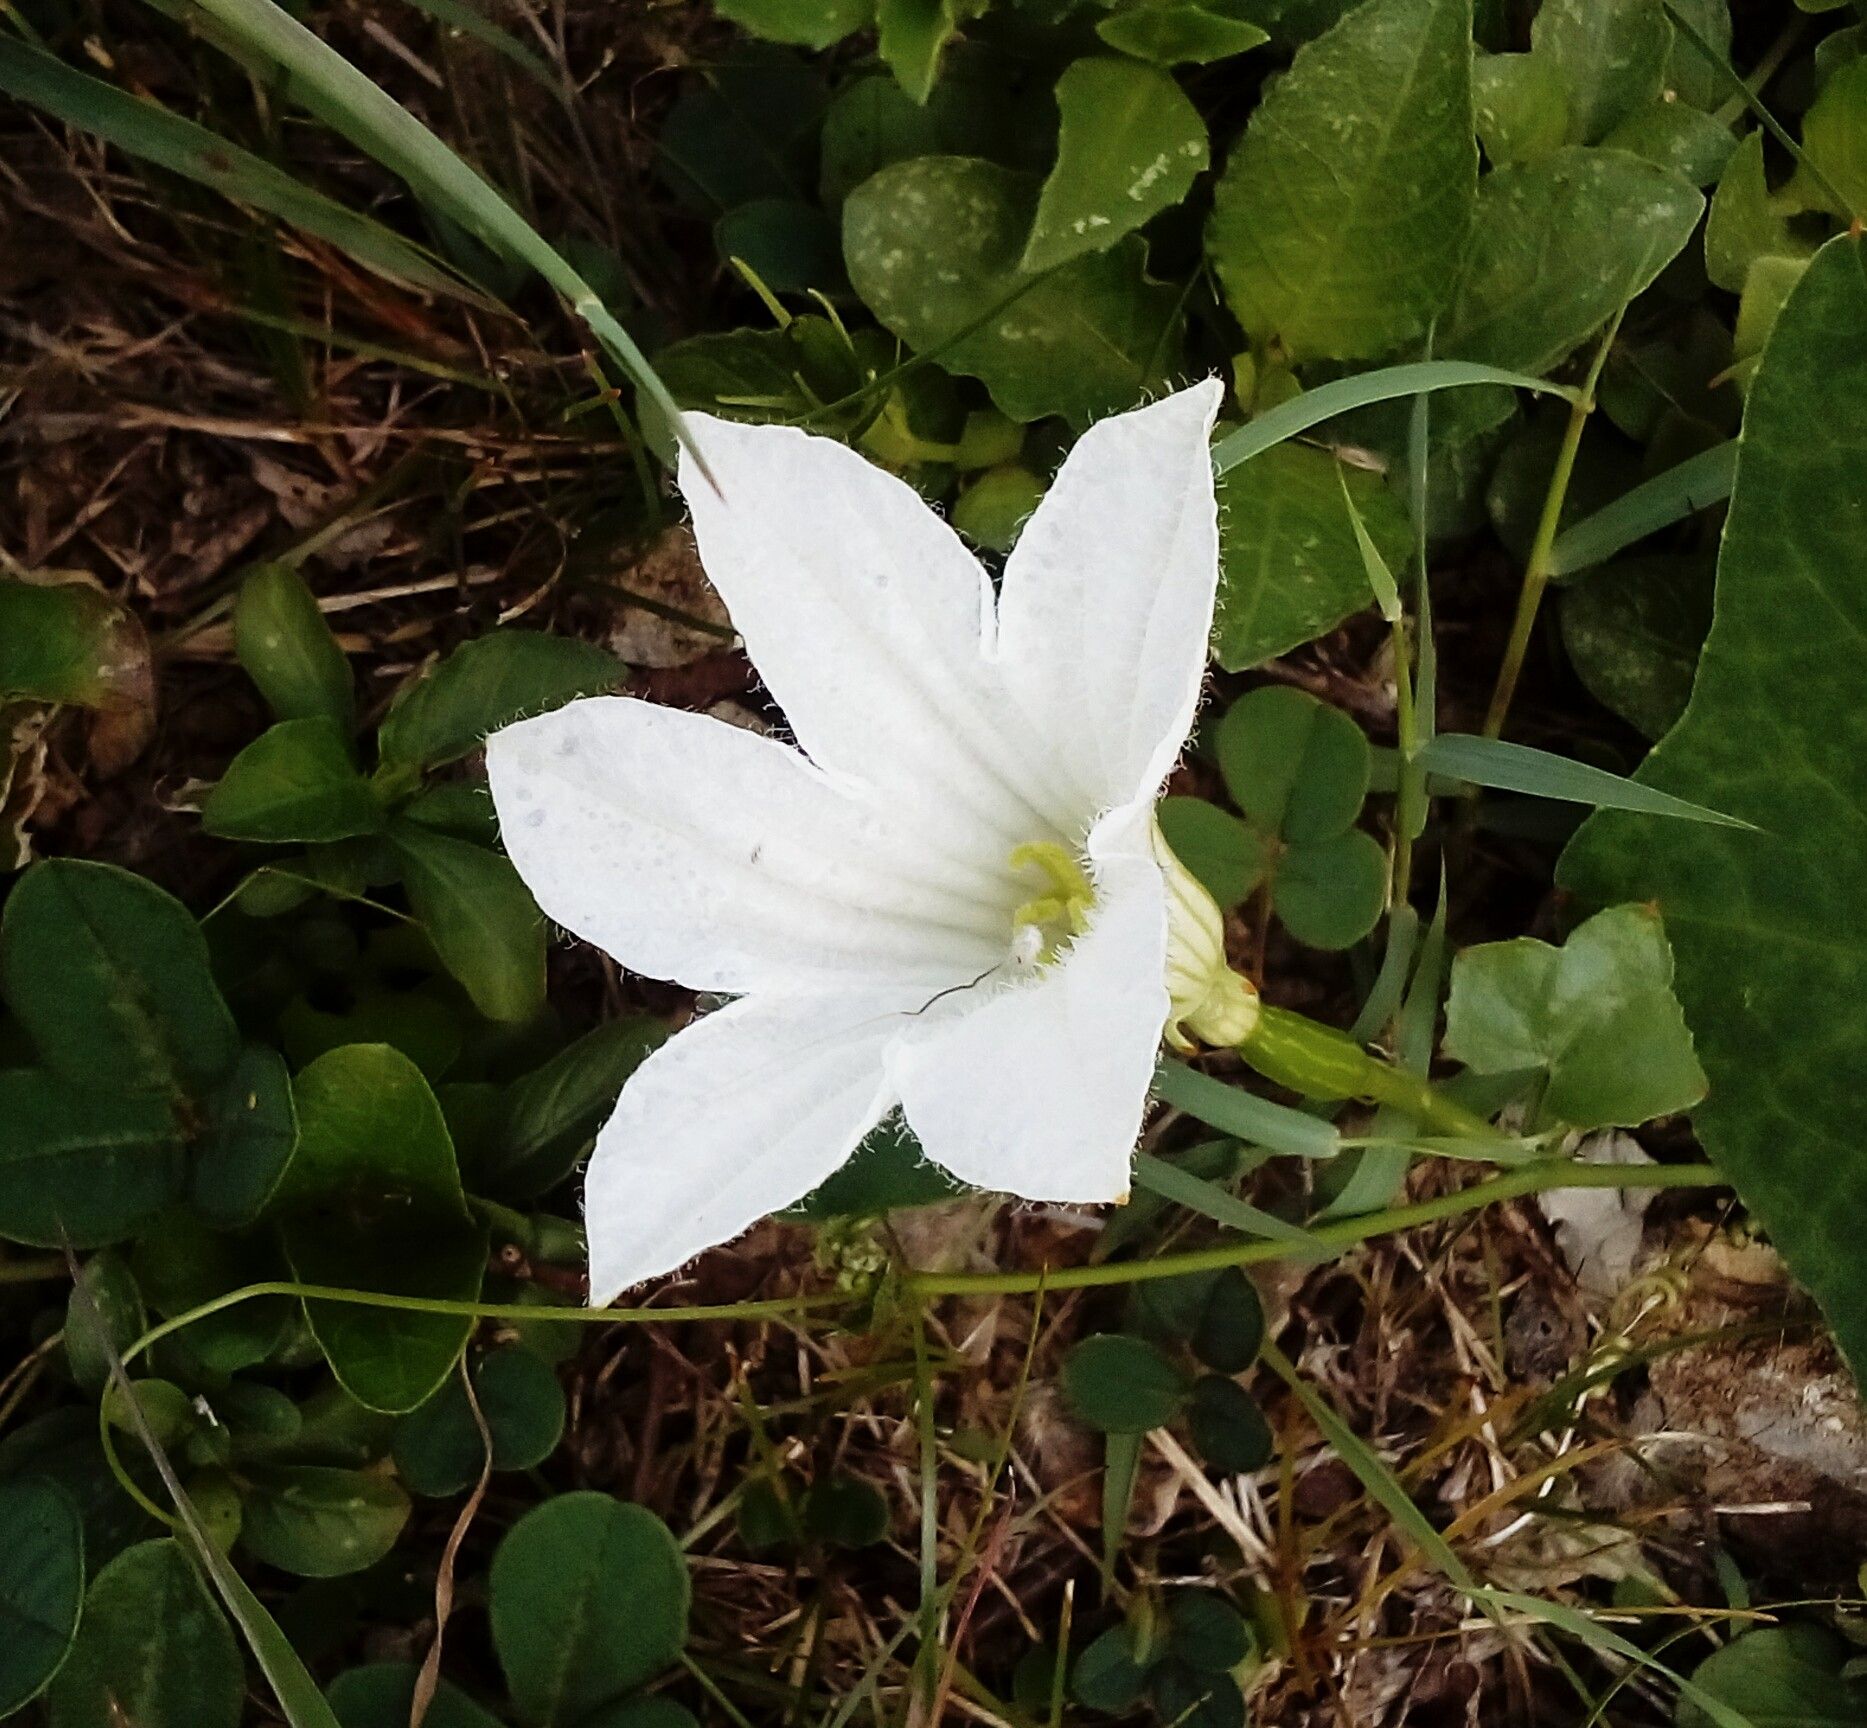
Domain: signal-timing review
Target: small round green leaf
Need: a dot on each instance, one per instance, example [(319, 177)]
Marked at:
[(372, 1201), (1123, 1385), (1109, 1675), (103, 1318), (1295, 766), (1206, 1632), (319, 1521), (154, 1649), (1779, 1677), (248, 1139), (439, 1449), (1228, 856), (1228, 1427), (996, 505), (1230, 1328), (1330, 894), (1191, 1697), (845, 1512), (589, 1602), (41, 1586)]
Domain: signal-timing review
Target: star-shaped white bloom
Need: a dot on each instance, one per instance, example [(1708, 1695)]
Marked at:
[(947, 896)]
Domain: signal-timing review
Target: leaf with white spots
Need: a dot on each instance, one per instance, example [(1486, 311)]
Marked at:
[(1130, 145)]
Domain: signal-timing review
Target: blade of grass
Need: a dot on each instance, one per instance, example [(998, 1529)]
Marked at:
[(1386, 1490), (1232, 1110), (152, 133), (327, 85), (1694, 484), (292, 1685), (1362, 391), (469, 22), (1211, 1201), (1507, 767)]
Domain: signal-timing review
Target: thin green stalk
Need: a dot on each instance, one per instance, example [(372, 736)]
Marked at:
[(1546, 1176), (778, 1308), (1537, 568)]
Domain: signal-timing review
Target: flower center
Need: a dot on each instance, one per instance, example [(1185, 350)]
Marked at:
[(1043, 926)]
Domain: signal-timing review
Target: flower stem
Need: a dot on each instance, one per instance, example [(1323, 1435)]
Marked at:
[(1542, 1177), (1320, 1062), (1542, 548)]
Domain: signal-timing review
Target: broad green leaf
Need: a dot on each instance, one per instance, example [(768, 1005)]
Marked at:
[(1557, 247), (317, 1521), (80, 1163), (181, 1264), (1694, 145), (1192, 1698), (992, 510), (802, 23), (791, 246), (1780, 1677), (774, 375), (1521, 105), (1633, 631), (109, 977), (1228, 856), (153, 1649), (1611, 55), (438, 1447), (295, 782), (1744, 223), (1765, 924), (745, 128), (41, 1586), (481, 918), (873, 122), (247, 1140), (549, 1117), (1176, 32), (288, 650), (1690, 75), (1337, 224), (504, 676), (1331, 893), (1766, 292), (145, 130), (589, 1601), (912, 37), (1290, 565), (1510, 767), (372, 1201), (1123, 1385), (104, 1314), (1206, 1631), (886, 1173), (932, 248), (1295, 766), (1598, 1015), (1130, 144), (380, 1694), (68, 641), (1834, 142)]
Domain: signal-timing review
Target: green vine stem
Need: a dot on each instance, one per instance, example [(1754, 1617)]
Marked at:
[(1545, 1176)]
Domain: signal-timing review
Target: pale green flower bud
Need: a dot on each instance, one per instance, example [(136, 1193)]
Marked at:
[(1212, 1004)]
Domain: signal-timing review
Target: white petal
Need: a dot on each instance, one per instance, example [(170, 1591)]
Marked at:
[(1107, 602), (1040, 1089), (869, 623), (691, 849), (739, 1115)]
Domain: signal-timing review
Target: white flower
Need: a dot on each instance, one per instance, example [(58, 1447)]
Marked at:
[(947, 897)]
